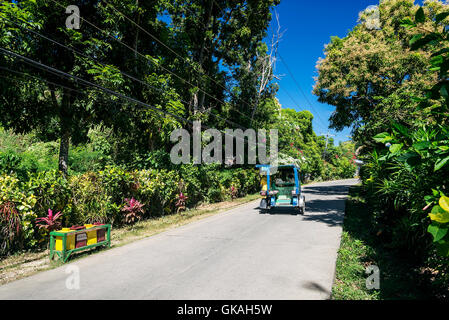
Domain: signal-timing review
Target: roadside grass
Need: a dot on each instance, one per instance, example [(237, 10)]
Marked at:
[(21, 265), (360, 248)]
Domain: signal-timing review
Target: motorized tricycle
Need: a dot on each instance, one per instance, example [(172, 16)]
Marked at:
[(281, 188)]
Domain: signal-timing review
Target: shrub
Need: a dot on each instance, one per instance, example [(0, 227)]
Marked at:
[(117, 183), (51, 190), (132, 210), (159, 188), (10, 227), (90, 201), (50, 222), (12, 192), (98, 197), (194, 183)]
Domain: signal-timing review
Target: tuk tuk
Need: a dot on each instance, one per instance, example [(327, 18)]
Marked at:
[(281, 188)]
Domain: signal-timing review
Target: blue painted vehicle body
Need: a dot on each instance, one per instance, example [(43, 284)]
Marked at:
[(281, 187)]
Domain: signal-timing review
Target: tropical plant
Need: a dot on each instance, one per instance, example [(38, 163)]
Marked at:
[(132, 211), (181, 203), (50, 222), (10, 226), (439, 228), (233, 192)]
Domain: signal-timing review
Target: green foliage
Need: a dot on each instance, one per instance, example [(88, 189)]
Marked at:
[(380, 83), (90, 201), (420, 157), (300, 145), (12, 191), (371, 75), (101, 196), (362, 245), (10, 227), (183, 81), (391, 85)]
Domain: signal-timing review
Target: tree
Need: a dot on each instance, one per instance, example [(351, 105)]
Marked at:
[(371, 75), (60, 107), (47, 102), (186, 63), (222, 35)]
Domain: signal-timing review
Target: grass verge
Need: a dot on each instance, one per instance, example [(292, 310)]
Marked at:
[(22, 265), (359, 248)]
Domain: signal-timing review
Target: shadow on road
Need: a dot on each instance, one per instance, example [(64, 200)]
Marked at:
[(327, 190), (280, 210), (316, 287), (330, 212)]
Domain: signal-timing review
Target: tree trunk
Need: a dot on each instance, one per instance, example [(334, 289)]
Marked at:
[(64, 116), (64, 151), (198, 98)]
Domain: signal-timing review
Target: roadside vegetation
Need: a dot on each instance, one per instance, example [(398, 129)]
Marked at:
[(361, 246), (388, 79)]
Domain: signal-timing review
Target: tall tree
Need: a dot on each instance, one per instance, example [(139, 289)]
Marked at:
[(371, 75), (224, 39), (101, 53)]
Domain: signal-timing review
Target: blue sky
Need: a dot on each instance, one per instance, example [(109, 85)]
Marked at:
[(309, 26)]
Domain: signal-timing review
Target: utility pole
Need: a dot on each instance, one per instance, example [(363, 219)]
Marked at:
[(328, 135)]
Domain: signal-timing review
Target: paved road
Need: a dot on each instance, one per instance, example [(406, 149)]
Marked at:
[(237, 254)]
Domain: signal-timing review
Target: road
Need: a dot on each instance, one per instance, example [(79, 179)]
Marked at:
[(237, 254)]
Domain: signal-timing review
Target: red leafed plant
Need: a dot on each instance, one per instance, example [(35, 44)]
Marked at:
[(233, 192), (50, 222), (181, 203), (10, 225), (133, 211)]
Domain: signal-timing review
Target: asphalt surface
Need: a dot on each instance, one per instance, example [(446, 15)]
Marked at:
[(237, 254)]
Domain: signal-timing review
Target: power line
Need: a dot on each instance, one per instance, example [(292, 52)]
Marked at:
[(302, 91), (101, 88), (121, 72), (86, 82), (143, 56), (191, 62), (54, 84)]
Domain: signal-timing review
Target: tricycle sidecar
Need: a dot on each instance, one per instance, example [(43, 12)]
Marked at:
[(281, 188)]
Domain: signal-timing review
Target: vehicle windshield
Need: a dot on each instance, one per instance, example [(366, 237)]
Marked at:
[(284, 178)]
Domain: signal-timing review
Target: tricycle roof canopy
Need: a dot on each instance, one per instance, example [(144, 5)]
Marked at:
[(264, 168)]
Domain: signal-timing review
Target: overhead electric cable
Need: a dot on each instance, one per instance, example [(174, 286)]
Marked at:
[(301, 90), (101, 88), (145, 57), (121, 72), (189, 61)]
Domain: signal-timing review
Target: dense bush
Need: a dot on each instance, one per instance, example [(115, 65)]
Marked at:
[(101, 196), (396, 98), (13, 192)]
